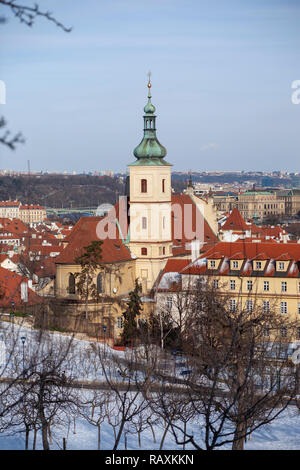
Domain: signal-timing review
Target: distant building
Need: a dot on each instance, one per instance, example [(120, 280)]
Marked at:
[(32, 214), (291, 199), (260, 204), (27, 213), (10, 209)]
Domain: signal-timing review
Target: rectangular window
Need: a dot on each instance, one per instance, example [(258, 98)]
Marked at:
[(249, 306), (281, 266), (212, 264), (266, 330), (163, 185), (299, 308), (249, 285), (215, 284), (143, 186), (235, 264), (283, 332), (232, 305), (120, 322), (283, 286), (169, 302), (266, 286), (144, 251), (266, 306), (283, 307), (144, 223), (258, 264), (298, 332), (232, 284)]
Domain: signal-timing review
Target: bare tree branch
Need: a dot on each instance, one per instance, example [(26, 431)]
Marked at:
[(6, 139), (28, 14)]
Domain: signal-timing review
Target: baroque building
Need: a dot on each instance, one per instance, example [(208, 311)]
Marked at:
[(139, 235)]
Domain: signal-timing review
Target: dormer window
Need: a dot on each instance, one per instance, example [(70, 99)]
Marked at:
[(235, 264), (281, 266), (212, 264), (258, 264)]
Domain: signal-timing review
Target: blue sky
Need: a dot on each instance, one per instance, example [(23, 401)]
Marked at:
[(221, 83)]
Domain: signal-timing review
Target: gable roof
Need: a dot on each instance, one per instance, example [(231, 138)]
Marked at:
[(83, 233), (235, 222), (10, 289)]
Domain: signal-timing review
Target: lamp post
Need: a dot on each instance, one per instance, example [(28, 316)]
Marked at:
[(12, 308), (23, 339), (104, 330)]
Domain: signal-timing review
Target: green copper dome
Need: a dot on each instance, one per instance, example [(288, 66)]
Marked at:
[(150, 151), (149, 108)]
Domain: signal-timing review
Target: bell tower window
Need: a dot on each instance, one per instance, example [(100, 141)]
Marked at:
[(143, 186)]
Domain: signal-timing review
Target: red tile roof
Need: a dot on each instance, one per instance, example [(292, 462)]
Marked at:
[(235, 222), (271, 252), (83, 233), (10, 290)]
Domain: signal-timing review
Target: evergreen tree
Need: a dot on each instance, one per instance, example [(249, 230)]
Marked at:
[(90, 262), (134, 308)]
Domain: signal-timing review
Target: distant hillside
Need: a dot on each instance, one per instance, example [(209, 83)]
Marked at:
[(61, 190), (66, 190)]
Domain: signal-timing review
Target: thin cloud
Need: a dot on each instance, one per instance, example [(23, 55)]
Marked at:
[(211, 145)]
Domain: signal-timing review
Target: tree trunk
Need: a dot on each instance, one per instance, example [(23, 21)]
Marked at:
[(164, 435), (184, 433), (119, 435), (45, 435), (239, 437), (153, 433), (34, 438), (99, 436), (27, 431)]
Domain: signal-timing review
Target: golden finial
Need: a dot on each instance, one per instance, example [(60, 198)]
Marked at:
[(149, 79)]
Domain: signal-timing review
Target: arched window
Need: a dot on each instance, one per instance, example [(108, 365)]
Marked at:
[(143, 186), (100, 283), (71, 288)]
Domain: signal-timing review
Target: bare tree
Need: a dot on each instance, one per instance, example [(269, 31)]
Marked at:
[(238, 377), (128, 380), (38, 388)]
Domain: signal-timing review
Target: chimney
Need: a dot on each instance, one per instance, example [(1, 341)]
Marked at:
[(195, 249)]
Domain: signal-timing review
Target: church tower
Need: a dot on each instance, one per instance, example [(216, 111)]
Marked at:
[(150, 203)]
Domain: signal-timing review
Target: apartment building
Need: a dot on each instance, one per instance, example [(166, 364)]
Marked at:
[(253, 275), (32, 214), (28, 213), (10, 209)]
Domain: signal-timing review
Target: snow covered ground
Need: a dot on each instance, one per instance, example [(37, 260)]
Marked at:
[(282, 434)]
